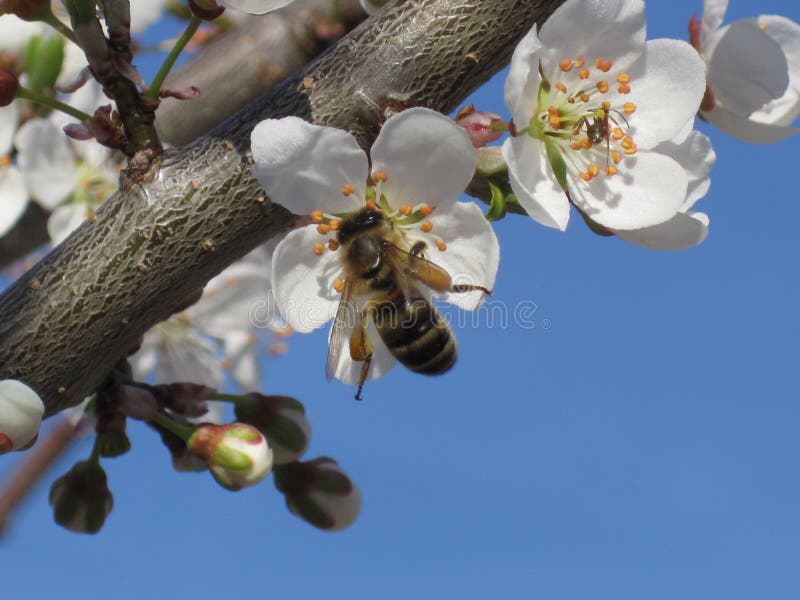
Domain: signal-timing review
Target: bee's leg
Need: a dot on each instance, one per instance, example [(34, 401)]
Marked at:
[(361, 350), (464, 287)]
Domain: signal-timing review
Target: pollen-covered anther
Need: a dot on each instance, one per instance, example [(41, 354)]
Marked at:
[(333, 245), (617, 134), (565, 65), (624, 89), (338, 285), (5, 161), (371, 205), (630, 151), (603, 65), (579, 62), (584, 97), (593, 170), (348, 189), (426, 210), (611, 170), (629, 108), (319, 249), (316, 216), (553, 118), (561, 87), (380, 177), (616, 156), (426, 227), (323, 229), (405, 210), (627, 142), (583, 73), (602, 87), (335, 224), (440, 245)]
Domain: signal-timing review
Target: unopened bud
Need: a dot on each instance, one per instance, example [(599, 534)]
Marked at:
[(184, 398), (207, 10), (137, 403), (183, 459), (81, 499), (21, 412), (319, 492), (237, 454), (479, 125), (9, 84), (281, 419)]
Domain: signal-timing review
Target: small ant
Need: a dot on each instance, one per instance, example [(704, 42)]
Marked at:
[(598, 130)]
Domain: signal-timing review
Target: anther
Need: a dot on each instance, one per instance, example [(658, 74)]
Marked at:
[(323, 229), (583, 96), (611, 170), (561, 87), (593, 170), (441, 245), (583, 73), (333, 245), (338, 285), (617, 134), (630, 151), (371, 205), (616, 156), (380, 176), (319, 249), (602, 86), (335, 224), (565, 65), (554, 118), (405, 210), (348, 189), (623, 78), (316, 216), (624, 89), (426, 226), (629, 108), (579, 62), (426, 210)]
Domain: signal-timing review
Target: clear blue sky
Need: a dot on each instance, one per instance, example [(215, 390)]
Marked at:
[(644, 446)]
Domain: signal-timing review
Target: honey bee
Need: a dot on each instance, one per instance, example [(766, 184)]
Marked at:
[(376, 265)]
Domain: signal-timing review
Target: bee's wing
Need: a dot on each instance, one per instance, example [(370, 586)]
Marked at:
[(420, 269), (339, 330)]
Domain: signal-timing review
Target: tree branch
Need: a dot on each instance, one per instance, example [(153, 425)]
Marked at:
[(72, 317)]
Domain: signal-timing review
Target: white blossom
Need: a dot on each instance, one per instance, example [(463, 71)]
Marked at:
[(588, 67), (753, 73), (21, 412), (421, 162)]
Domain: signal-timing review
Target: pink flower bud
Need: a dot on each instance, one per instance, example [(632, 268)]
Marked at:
[(9, 84), (478, 124), (21, 412), (81, 499), (320, 493), (237, 454), (281, 419)]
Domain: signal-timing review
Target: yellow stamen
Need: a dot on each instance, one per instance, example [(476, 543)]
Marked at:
[(335, 224), (554, 118), (616, 156), (593, 170), (624, 89), (623, 78), (426, 210), (630, 108), (323, 229), (565, 65), (602, 86), (371, 205), (631, 150), (316, 216), (380, 176), (338, 285), (348, 189), (583, 73), (611, 170), (579, 62), (5, 161), (583, 96), (585, 176), (441, 245), (561, 87), (426, 226), (333, 245), (405, 210), (617, 134), (319, 249)]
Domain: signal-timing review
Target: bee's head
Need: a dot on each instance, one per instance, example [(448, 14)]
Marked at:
[(359, 222)]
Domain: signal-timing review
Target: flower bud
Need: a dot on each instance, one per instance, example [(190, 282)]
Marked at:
[(207, 10), (9, 84), (478, 124), (183, 459), (319, 492), (81, 499), (237, 454), (21, 412), (281, 419), (187, 399)]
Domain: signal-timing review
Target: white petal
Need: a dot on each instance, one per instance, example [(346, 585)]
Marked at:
[(16, 33), (697, 157), (747, 68), (74, 63), (472, 254), (668, 93), (303, 166), (189, 357), (144, 13), (743, 128), (13, 198), (9, 116), (784, 110), (241, 354), (614, 30), (713, 15), (522, 83), (64, 220), (255, 7), (21, 412), (303, 282), (648, 190), (684, 230), (45, 162), (427, 157), (348, 371), (534, 183)]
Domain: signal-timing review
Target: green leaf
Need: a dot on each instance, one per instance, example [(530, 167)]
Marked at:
[(497, 205), (44, 63)]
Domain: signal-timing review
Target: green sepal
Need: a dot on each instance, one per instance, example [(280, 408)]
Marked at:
[(44, 61), (497, 204)]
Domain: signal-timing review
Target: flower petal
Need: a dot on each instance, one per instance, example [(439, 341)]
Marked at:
[(522, 83), (745, 129), (303, 166), (45, 162), (303, 282), (648, 190), (784, 110), (747, 69), (9, 116), (534, 183), (697, 157), (684, 230), (613, 30), (348, 371), (472, 254), (713, 15), (255, 7), (144, 13), (16, 33), (64, 220), (13, 198), (427, 157), (667, 89)]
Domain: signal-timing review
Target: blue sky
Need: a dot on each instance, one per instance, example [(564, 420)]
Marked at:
[(640, 441)]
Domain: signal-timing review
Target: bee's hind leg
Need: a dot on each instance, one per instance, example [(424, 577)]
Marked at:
[(361, 351)]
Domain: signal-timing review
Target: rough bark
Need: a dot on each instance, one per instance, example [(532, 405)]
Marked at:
[(72, 317)]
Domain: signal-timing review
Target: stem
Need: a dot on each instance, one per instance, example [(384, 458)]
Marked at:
[(38, 98), (94, 457), (232, 398), (169, 62), (182, 431), (61, 28)]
